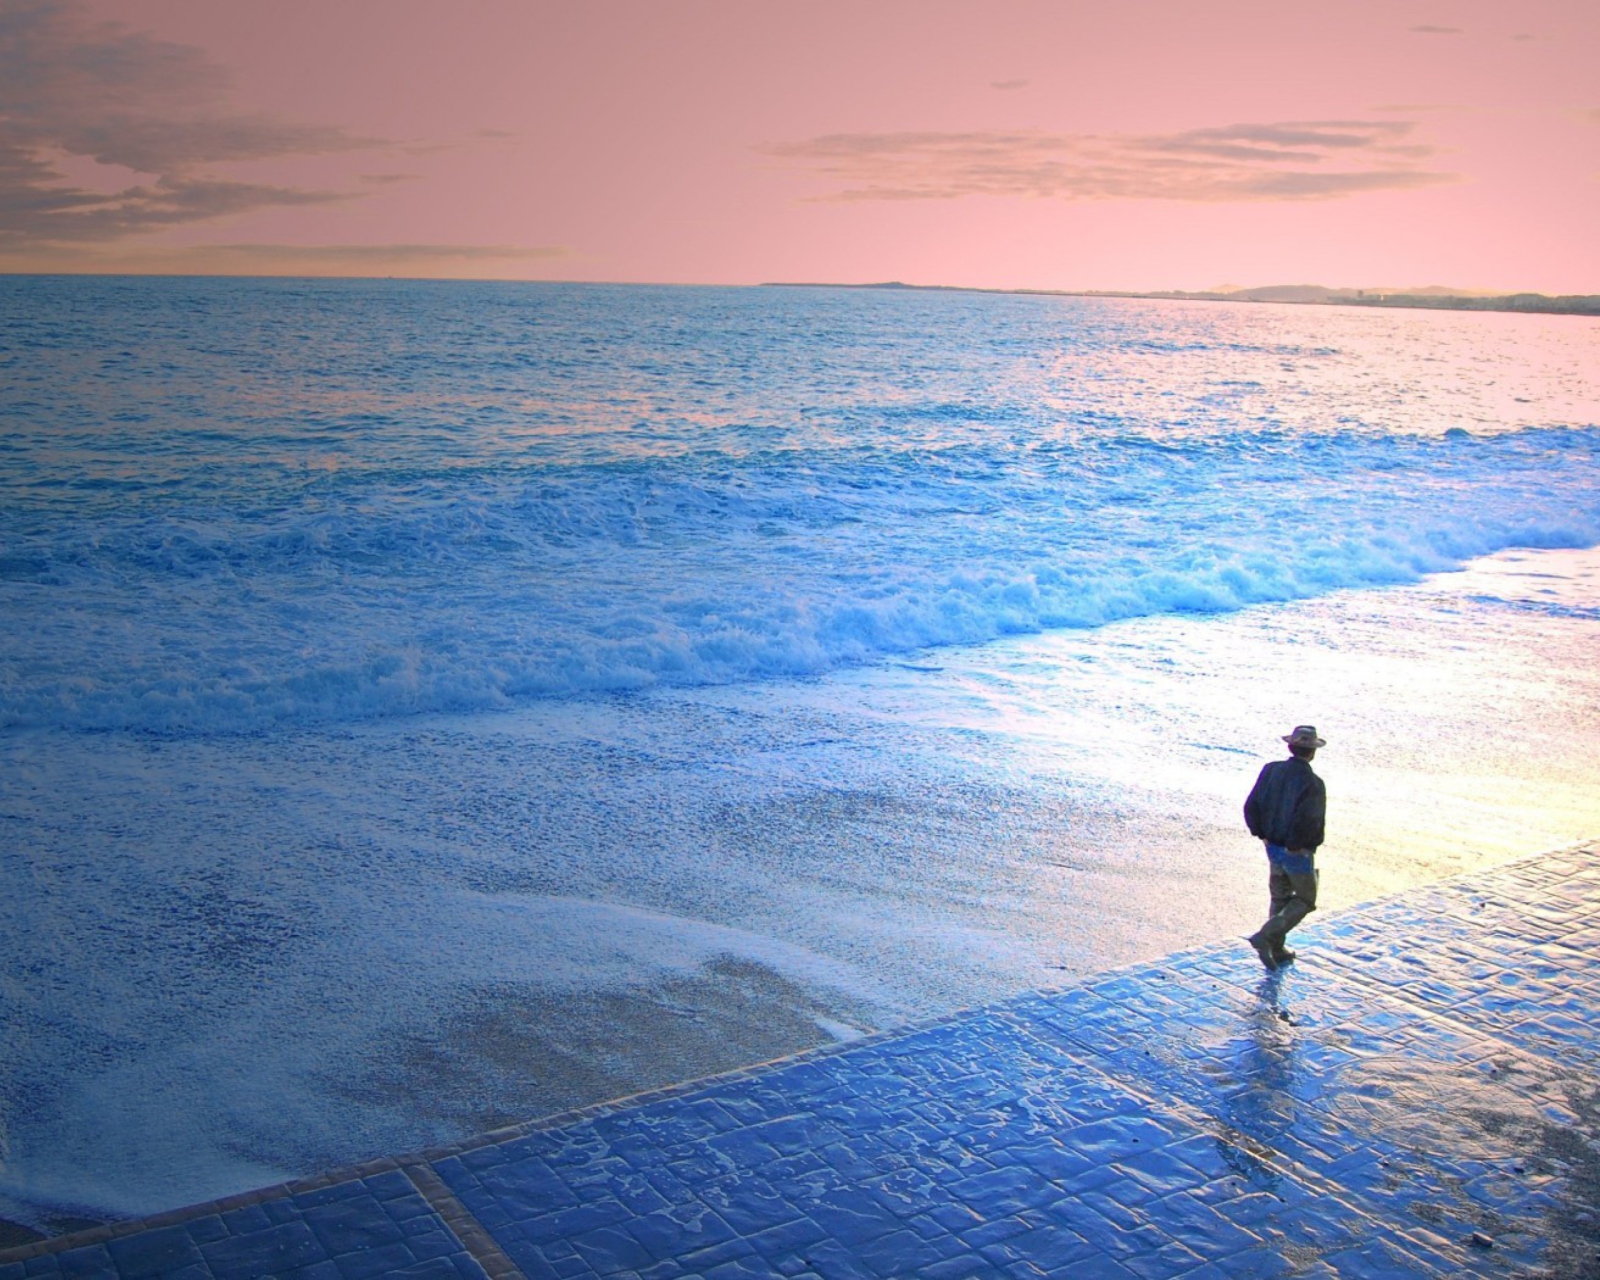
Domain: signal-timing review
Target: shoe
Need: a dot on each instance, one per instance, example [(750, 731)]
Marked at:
[(1264, 950), (1283, 956)]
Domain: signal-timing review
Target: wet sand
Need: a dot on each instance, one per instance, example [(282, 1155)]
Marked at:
[(291, 955)]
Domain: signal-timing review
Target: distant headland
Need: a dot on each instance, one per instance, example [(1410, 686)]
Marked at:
[(1432, 297)]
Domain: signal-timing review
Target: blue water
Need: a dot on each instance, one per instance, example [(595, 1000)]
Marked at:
[(226, 505), (430, 705)]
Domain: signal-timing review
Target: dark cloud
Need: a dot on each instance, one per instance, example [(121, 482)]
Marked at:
[(36, 209), (1296, 160), (1428, 30), (75, 88)]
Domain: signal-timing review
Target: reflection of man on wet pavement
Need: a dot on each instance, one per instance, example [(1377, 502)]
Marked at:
[(1285, 809)]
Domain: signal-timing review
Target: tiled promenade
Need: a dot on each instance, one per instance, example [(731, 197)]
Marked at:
[(1419, 1096)]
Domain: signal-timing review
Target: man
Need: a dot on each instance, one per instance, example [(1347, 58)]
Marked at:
[(1285, 810)]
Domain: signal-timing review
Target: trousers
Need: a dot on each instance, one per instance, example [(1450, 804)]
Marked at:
[(1292, 887)]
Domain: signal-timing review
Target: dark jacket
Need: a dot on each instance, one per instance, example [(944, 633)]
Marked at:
[(1287, 804)]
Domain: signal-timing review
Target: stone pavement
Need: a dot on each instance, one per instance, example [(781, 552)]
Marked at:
[(1418, 1096)]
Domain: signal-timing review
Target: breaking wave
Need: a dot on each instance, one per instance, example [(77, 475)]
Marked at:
[(218, 556)]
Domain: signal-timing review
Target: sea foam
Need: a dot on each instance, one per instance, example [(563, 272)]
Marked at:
[(760, 484)]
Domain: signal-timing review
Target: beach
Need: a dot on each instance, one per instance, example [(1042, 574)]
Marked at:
[(432, 761), (784, 868)]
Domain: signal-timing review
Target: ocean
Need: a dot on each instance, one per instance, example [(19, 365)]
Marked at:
[(429, 705)]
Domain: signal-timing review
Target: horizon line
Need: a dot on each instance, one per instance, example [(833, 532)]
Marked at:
[(1335, 293)]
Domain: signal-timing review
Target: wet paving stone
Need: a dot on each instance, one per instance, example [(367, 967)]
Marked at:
[(1418, 1096), (344, 1230)]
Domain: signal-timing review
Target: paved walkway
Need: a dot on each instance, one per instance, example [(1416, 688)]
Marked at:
[(1419, 1096)]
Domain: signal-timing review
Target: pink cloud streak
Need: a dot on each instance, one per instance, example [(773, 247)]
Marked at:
[(1288, 161)]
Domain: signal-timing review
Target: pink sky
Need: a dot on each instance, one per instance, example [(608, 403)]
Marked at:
[(1034, 145)]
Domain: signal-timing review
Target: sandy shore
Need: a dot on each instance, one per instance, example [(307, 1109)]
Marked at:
[(326, 952)]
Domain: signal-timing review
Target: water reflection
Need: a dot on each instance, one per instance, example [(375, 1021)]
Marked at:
[(1259, 1106)]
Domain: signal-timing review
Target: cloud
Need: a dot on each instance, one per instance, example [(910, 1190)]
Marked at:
[(1296, 160), (413, 260), (1008, 84), (1427, 30), (355, 254), (77, 88)]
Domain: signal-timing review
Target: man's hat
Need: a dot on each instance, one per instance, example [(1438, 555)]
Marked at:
[(1304, 735)]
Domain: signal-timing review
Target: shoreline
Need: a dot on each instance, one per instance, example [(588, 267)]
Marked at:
[(926, 836), (416, 1165)]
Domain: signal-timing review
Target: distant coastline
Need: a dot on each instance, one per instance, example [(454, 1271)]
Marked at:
[(1434, 297)]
